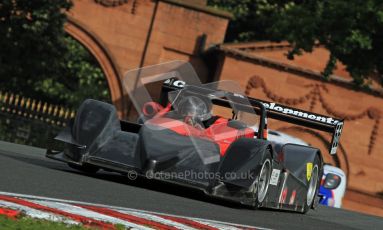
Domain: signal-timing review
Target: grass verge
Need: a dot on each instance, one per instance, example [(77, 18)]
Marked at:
[(28, 223)]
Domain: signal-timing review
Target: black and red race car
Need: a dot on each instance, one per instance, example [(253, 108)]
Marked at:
[(205, 136)]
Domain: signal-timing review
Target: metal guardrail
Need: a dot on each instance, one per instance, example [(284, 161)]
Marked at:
[(33, 109), (29, 121)]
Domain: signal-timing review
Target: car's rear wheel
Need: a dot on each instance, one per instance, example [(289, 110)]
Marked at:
[(313, 184), (260, 185)]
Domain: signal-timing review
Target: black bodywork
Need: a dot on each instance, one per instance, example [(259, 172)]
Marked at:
[(97, 138)]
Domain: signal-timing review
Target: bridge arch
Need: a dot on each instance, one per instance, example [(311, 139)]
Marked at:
[(104, 57)]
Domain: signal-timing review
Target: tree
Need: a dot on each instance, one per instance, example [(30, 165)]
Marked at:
[(37, 58), (351, 30), (32, 42), (251, 19), (80, 77)]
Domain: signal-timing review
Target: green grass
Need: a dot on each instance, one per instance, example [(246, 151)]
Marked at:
[(27, 223)]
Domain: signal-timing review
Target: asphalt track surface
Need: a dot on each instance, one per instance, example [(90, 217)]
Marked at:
[(25, 170)]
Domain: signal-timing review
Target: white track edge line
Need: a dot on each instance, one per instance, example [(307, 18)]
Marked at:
[(128, 209)]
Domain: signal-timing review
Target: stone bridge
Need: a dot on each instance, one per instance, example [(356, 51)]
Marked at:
[(127, 34)]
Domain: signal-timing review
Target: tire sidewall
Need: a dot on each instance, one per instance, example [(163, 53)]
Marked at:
[(266, 156), (316, 163)]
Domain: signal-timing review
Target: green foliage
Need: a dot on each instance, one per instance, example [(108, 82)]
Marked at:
[(251, 18), (27, 223), (37, 58), (351, 30), (80, 78), (32, 37)]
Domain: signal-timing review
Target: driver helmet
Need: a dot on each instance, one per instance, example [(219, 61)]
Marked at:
[(195, 107)]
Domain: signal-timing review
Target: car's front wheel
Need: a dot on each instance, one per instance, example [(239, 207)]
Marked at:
[(260, 185)]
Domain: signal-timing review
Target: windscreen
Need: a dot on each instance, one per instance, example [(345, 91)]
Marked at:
[(191, 125), (135, 80), (224, 98)]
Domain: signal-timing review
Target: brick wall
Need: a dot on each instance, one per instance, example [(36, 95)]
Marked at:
[(362, 138), (176, 29), (124, 35)]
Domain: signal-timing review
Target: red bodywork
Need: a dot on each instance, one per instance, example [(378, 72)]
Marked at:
[(219, 131)]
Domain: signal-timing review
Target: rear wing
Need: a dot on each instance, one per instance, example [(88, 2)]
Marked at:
[(283, 113), (305, 118)]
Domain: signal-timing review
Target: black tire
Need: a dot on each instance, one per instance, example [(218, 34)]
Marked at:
[(313, 184), (260, 186), (87, 168)]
